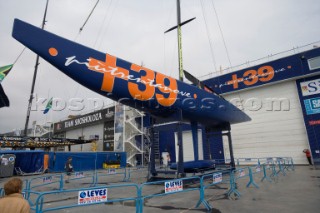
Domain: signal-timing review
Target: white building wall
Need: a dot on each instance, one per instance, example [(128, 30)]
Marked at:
[(86, 132), (276, 130)]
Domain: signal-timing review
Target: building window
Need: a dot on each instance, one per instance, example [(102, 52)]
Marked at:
[(314, 63)]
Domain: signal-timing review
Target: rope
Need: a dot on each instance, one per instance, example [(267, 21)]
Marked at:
[(210, 42)]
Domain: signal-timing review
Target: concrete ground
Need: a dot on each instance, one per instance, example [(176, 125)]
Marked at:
[(297, 191)]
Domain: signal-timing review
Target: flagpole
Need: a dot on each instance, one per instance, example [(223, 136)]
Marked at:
[(34, 77)]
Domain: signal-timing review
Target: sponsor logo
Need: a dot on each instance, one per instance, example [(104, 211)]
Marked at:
[(92, 196), (164, 88), (312, 106), (310, 87), (47, 179), (241, 173), (251, 77), (173, 186), (217, 178)]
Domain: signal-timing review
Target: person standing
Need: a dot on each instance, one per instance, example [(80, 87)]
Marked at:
[(13, 201), (69, 168), (308, 155)]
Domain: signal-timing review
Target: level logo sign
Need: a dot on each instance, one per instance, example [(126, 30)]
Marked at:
[(92, 196), (79, 174), (173, 186), (241, 173), (112, 171), (217, 177), (47, 179)]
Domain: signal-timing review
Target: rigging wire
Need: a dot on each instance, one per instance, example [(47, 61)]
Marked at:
[(81, 28), (263, 58), (78, 86), (107, 27), (103, 22), (224, 42), (15, 61), (208, 34), (99, 33), (241, 106)]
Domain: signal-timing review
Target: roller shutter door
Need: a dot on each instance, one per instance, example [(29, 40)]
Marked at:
[(188, 151), (277, 128)]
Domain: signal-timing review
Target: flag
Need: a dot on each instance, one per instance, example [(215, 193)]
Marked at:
[(4, 71), (48, 107), (4, 101)]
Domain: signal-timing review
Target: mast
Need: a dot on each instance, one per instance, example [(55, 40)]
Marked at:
[(180, 166), (34, 77), (179, 41)]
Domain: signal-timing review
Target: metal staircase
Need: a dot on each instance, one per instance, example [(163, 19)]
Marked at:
[(156, 142), (148, 138), (138, 139), (133, 135)]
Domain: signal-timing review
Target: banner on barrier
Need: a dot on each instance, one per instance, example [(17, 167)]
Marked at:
[(217, 177), (112, 171), (173, 186), (92, 196), (47, 179), (241, 173), (79, 175)]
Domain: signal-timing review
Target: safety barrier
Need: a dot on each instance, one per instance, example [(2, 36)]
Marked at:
[(289, 163), (110, 172), (75, 176), (247, 161), (46, 180), (281, 165), (243, 173), (135, 170), (172, 187), (269, 167), (87, 196), (265, 175), (208, 180), (25, 187), (222, 163), (316, 163)]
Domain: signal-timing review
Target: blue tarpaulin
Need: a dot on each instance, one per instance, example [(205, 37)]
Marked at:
[(32, 161), (28, 161), (83, 161)]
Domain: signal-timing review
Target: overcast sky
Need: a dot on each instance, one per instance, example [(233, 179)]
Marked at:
[(134, 30)]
